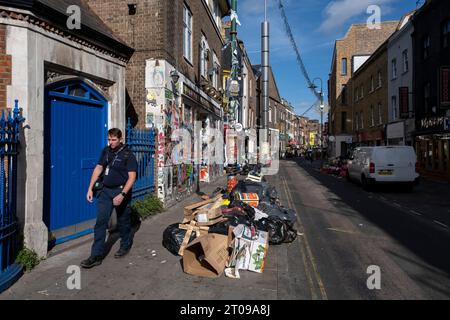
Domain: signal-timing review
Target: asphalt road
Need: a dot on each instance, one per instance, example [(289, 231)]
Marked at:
[(345, 230)]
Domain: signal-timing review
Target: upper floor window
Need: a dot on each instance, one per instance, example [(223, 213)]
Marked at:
[(372, 84), (394, 68), (372, 116), (203, 58), (357, 121), (380, 79), (361, 117), (446, 34), (344, 94), (380, 114), (187, 33), (405, 61), (394, 107), (344, 67), (426, 46)]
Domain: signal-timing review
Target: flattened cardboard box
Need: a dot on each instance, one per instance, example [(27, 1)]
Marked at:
[(206, 256), (189, 210)]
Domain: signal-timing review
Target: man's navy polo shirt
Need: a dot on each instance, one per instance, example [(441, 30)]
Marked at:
[(120, 163)]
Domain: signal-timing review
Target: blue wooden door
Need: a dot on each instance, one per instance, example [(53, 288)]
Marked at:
[(75, 133)]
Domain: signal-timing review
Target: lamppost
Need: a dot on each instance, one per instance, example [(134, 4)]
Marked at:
[(313, 86)]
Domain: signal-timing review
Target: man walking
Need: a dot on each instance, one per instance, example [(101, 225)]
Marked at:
[(118, 166)]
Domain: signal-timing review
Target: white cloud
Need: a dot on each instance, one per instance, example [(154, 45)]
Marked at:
[(339, 12)]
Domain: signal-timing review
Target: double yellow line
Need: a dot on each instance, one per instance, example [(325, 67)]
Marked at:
[(306, 252)]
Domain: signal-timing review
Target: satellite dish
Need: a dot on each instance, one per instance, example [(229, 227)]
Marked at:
[(331, 138)]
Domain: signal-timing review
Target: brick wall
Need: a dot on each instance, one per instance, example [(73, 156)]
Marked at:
[(359, 40), (156, 31), (5, 68), (372, 98)]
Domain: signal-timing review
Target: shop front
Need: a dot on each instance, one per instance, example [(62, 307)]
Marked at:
[(432, 147)]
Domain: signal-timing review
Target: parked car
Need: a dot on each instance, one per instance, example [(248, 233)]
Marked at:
[(383, 165)]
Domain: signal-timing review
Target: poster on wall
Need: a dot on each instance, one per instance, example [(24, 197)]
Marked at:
[(204, 174)]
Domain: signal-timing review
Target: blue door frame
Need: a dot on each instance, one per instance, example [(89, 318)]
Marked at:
[(75, 131)]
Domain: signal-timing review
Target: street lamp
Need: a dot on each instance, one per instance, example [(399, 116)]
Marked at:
[(313, 86)]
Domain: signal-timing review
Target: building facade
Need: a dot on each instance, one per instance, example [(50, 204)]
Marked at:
[(401, 126), (175, 84), (431, 47), (70, 84), (370, 104), (349, 54)]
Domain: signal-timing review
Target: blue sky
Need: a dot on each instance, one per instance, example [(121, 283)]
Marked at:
[(316, 24)]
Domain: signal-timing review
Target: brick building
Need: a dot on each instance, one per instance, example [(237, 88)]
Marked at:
[(349, 54), (174, 80), (370, 85)]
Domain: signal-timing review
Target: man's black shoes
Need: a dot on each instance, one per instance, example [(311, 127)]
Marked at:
[(91, 262), (121, 253)]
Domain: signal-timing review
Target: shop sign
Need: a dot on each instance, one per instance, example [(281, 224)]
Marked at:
[(430, 123)]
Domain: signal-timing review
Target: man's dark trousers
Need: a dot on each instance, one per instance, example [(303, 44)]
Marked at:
[(104, 210)]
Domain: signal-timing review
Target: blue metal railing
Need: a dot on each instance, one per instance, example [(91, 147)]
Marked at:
[(142, 143), (9, 141)]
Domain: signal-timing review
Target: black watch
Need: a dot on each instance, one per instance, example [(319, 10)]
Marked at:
[(123, 194)]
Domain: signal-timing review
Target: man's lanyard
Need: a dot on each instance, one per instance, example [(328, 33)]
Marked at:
[(114, 160)]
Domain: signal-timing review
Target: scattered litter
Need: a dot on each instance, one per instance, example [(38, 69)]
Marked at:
[(153, 254), (230, 230), (300, 234), (44, 292)]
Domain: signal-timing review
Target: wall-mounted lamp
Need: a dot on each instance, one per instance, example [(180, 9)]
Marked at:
[(132, 9)]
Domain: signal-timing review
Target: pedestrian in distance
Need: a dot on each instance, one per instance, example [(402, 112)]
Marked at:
[(116, 169)]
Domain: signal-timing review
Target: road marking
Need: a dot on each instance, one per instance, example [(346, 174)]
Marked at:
[(415, 212), (342, 231), (308, 248), (305, 263), (440, 223)]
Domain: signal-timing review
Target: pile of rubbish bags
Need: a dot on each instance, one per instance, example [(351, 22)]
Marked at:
[(231, 229)]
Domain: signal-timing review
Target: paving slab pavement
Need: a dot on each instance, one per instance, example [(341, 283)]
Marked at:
[(139, 275)]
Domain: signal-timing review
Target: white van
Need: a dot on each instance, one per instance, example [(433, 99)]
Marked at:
[(377, 165)]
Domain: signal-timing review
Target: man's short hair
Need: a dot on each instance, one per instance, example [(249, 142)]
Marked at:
[(114, 132)]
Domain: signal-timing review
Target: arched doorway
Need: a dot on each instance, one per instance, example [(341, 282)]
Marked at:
[(75, 128)]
